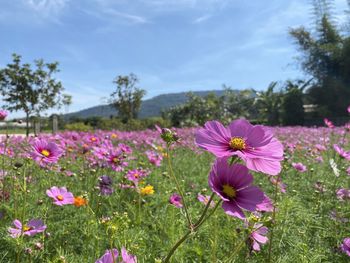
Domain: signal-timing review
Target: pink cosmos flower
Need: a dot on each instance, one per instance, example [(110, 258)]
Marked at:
[(299, 167), (345, 246), (254, 144), (343, 194), (258, 236), (3, 115), (60, 196), (348, 109), (176, 200), (127, 258), (154, 158), (136, 175), (266, 205), (233, 185), (343, 154), (281, 186), (110, 256), (328, 123), (45, 152), (33, 227), (116, 160), (205, 199)]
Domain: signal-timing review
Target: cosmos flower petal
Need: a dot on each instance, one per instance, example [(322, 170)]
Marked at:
[(232, 209)]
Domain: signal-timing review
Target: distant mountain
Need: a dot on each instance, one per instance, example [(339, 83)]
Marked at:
[(149, 108)]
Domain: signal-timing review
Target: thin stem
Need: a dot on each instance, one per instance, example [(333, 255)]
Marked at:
[(205, 209), (273, 217), (178, 188), (238, 248), (200, 221)]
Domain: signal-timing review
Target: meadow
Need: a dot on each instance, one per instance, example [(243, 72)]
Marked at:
[(126, 198)]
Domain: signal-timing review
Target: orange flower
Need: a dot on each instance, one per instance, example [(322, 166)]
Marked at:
[(80, 201)]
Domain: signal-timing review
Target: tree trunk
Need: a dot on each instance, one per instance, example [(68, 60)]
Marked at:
[(27, 124)]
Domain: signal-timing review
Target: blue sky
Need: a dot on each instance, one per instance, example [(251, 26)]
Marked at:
[(171, 45)]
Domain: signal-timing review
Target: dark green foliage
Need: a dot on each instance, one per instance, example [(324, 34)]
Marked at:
[(269, 105), (326, 58), (197, 110), (292, 104)]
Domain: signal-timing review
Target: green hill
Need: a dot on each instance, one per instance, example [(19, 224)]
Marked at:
[(150, 108)]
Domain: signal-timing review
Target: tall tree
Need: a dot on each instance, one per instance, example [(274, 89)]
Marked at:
[(32, 91), (325, 56), (127, 98)]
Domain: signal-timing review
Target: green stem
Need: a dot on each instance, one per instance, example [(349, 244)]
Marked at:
[(273, 217), (189, 221), (238, 248), (196, 226)]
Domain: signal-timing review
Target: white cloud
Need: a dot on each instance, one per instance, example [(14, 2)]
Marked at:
[(201, 19)]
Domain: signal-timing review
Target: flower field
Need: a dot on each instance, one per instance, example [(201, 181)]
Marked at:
[(240, 193)]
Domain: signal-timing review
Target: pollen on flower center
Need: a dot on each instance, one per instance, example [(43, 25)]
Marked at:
[(229, 190), (237, 143), (59, 198), (26, 228), (46, 153), (116, 160)]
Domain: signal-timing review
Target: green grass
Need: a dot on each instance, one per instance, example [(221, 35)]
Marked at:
[(148, 226)]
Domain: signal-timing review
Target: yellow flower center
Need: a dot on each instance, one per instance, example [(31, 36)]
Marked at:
[(147, 190), (59, 198), (46, 153), (93, 139), (116, 160), (136, 175), (237, 143), (26, 228), (229, 190)]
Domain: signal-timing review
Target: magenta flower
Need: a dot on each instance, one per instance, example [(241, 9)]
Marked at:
[(127, 258), (348, 109), (60, 196), (45, 152), (258, 236), (116, 160), (343, 194), (328, 123), (136, 175), (176, 200), (154, 158), (345, 246), (3, 115), (299, 167), (255, 145), (342, 153), (33, 227), (110, 256), (266, 205), (233, 185), (205, 199)]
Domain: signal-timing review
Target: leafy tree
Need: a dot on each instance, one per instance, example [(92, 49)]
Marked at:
[(269, 104), (32, 91), (128, 97), (292, 103), (325, 57)]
